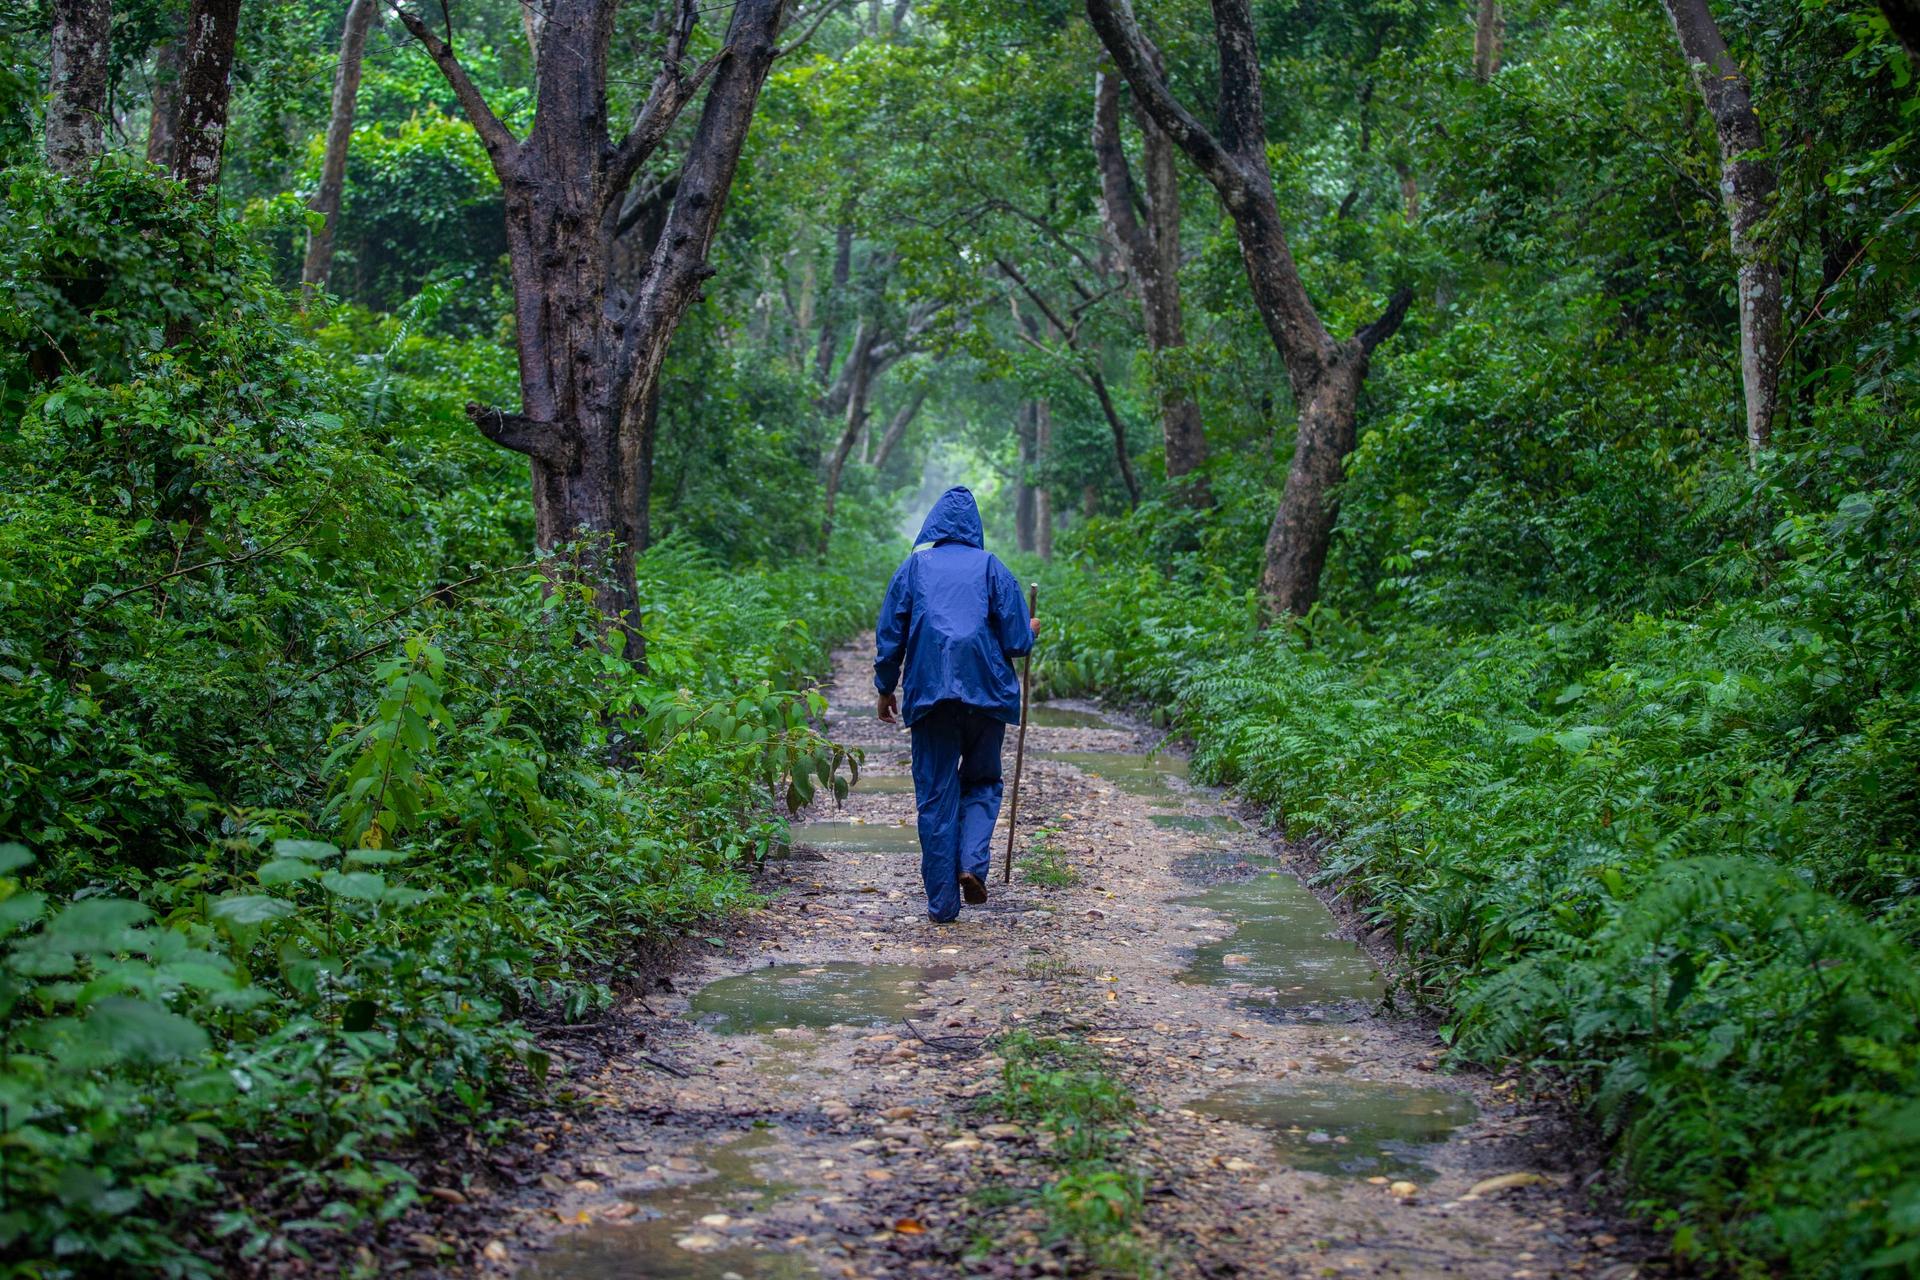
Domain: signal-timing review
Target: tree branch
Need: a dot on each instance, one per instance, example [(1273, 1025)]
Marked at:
[(494, 136), (669, 95), (550, 442), (1131, 52), (826, 11), (1372, 335)]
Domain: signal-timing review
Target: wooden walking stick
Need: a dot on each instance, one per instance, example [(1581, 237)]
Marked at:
[(1020, 747)]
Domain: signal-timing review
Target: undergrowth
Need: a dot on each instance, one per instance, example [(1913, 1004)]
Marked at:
[(1093, 1194), (314, 788), (1671, 856)]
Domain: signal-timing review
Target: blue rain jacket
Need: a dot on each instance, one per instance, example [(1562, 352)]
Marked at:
[(953, 620)]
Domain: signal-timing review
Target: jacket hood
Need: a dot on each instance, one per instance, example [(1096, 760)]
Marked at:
[(955, 518)]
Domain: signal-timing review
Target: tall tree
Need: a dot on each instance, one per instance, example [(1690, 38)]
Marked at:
[(1325, 373), (163, 104), (333, 164), (205, 89), (1747, 188), (590, 350), (875, 350), (1488, 26), (77, 84), (1151, 253)]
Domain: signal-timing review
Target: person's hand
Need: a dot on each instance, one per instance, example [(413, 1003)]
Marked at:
[(889, 708), (1035, 624)]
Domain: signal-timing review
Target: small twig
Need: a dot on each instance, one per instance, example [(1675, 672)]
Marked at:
[(826, 11), (947, 1044), (667, 1067)]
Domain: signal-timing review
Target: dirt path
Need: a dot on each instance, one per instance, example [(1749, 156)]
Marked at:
[(791, 1123)]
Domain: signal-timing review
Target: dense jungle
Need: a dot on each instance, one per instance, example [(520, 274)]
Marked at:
[(451, 454)]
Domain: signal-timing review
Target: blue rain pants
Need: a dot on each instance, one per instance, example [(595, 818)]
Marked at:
[(956, 784)]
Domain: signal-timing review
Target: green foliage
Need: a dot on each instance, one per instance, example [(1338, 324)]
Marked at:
[(1672, 855), (315, 788), (1045, 862), (1095, 1196)]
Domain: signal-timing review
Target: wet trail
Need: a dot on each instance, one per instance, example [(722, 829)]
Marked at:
[(806, 1098)]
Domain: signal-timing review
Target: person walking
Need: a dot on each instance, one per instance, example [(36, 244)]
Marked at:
[(949, 629)]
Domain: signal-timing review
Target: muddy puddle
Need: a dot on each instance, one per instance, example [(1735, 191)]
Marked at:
[(1159, 779), (700, 1230), (1282, 946), (1215, 824), (1354, 1127), (857, 837), (884, 784), (838, 993)]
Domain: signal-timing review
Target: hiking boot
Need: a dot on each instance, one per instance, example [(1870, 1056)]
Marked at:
[(971, 889)]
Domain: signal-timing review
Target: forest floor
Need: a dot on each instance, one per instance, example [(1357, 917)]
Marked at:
[(818, 1090)]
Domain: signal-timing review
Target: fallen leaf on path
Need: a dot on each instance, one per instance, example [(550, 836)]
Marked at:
[(910, 1227), (1404, 1189)]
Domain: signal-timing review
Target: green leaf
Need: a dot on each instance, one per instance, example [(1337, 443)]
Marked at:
[(13, 857), (311, 850), (97, 924), (286, 871), (248, 910), (143, 1031), (358, 1015), (362, 886)]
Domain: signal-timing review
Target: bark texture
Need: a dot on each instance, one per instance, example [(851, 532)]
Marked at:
[(1746, 187), (1325, 373), (205, 90), (333, 165), (1488, 27), (163, 110), (1150, 251), (590, 348), (77, 84)]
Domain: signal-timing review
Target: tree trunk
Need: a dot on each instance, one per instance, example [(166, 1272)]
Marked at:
[(830, 311), (590, 353), (1488, 26), (205, 89), (1026, 426), (163, 108), (1151, 255), (1326, 374), (897, 428), (860, 363), (333, 165), (77, 84), (1042, 495), (1903, 18), (1409, 189), (1747, 187)]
